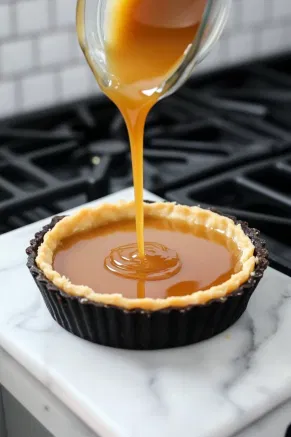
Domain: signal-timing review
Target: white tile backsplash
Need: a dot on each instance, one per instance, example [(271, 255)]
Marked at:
[(65, 14), (39, 90), (234, 21), (7, 97), (5, 21), (32, 16), (41, 63), (274, 39), (282, 9), (76, 82), (255, 14), (16, 57), (56, 48), (241, 46)]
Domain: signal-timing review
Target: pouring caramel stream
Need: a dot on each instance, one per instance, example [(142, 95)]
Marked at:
[(145, 41)]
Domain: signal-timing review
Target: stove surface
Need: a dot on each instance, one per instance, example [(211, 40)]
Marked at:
[(224, 140)]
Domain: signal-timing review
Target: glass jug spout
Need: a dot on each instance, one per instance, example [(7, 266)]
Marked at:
[(91, 28)]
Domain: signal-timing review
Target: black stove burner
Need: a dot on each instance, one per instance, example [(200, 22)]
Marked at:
[(84, 149), (259, 193), (257, 96), (222, 140)]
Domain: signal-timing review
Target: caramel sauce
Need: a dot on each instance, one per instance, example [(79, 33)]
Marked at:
[(145, 40), (206, 258), (159, 262), (144, 43)]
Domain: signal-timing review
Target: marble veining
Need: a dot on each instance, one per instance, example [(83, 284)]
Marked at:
[(213, 389)]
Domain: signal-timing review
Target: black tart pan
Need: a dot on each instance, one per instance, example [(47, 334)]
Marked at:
[(140, 329)]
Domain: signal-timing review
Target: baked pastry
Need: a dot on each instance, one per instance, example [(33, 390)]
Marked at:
[(202, 297)]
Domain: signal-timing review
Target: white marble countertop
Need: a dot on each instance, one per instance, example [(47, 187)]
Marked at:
[(212, 389)]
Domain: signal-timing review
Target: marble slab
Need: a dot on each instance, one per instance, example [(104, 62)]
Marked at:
[(275, 424), (213, 389)]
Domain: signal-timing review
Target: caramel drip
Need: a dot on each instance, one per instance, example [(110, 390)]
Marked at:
[(158, 263), (143, 46), (145, 40)]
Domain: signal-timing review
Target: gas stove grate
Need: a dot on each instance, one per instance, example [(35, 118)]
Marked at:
[(80, 152), (255, 95), (259, 193), (224, 139)]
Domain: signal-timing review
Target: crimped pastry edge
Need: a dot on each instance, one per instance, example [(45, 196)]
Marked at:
[(89, 218)]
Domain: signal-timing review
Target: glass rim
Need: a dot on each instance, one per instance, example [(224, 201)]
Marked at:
[(196, 52)]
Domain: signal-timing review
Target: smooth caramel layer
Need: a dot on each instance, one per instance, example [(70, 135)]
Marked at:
[(206, 258)]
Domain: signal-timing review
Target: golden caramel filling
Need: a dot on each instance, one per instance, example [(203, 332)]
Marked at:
[(179, 259)]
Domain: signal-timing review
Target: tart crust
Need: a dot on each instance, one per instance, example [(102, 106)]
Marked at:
[(91, 218)]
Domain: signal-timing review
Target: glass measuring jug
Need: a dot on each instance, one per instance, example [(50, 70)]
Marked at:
[(91, 27)]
